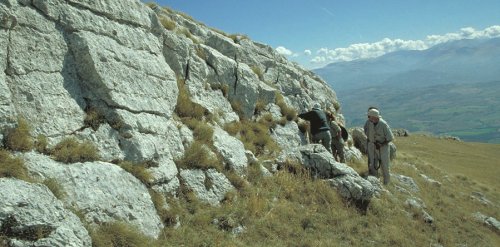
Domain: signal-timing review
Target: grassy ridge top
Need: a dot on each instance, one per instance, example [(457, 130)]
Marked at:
[(478, 161)]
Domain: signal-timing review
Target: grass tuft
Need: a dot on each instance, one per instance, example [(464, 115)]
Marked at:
[(167, 23), (259, 107), (140, 171), (288, 112), (94, 118), (199, 156), (118, 234), (258, 71), (254, 135), (41, 144), (11, 167), (19, 138), (70, 150), (55, 187), (202, 131), (224, 88), (185, 108)]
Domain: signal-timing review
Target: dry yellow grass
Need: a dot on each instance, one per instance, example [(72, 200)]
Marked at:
[(295, 210), (478, 161), (292, 209)]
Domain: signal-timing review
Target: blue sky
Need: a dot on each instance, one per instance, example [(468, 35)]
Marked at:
[(317, 32)]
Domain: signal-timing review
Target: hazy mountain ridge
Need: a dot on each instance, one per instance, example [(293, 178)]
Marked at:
[(450, 89), (468, 111), (461, 61)]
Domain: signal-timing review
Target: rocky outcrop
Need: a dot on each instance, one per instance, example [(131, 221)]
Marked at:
[(322, 164), (210, 186), (110, 73), (30, 215), (488, 221), (231, 149), (102, 192)]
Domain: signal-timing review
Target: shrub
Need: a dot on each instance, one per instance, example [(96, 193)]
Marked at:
[(259, 107), (12, 167), (69, 150), (19, 138), (258, 71), (238, 109), (41, 144), (167, 23), (118, 234), (224, 88), (139, 171), (55, 187), (198, 156), (254, 135), (185, 108), (93, 118), (202, 131), (288, 112)]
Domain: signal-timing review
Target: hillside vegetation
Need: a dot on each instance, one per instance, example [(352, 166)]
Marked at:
[(292, 209), (469, 111)]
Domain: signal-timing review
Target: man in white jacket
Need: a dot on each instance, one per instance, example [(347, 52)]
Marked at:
[(379, 136)]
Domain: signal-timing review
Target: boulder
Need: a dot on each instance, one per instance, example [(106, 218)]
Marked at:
[(407, 182), (288, 137), (102, 192), (359, 139), (231, 149), (209, 186), (322, 165), (488, 221), (30, 215), (352, 154)]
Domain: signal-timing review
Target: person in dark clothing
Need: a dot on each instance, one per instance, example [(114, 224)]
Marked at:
[(320, 130)]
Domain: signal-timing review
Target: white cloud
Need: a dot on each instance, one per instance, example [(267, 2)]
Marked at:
[(318, 59), (307, 52), (370, 50), (284, 51)]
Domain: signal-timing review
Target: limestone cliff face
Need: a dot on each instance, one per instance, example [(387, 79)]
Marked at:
[(60, 60)]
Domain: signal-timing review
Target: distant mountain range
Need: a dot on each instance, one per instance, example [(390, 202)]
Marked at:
[(462, 61), (450, 89)]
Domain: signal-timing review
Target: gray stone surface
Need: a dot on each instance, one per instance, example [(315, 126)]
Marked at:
[(231, 149), (209, 186), (322, 165), (288, 137), (488, 221), (59, 59), (103, 192), (407, 182), (32, 208)]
